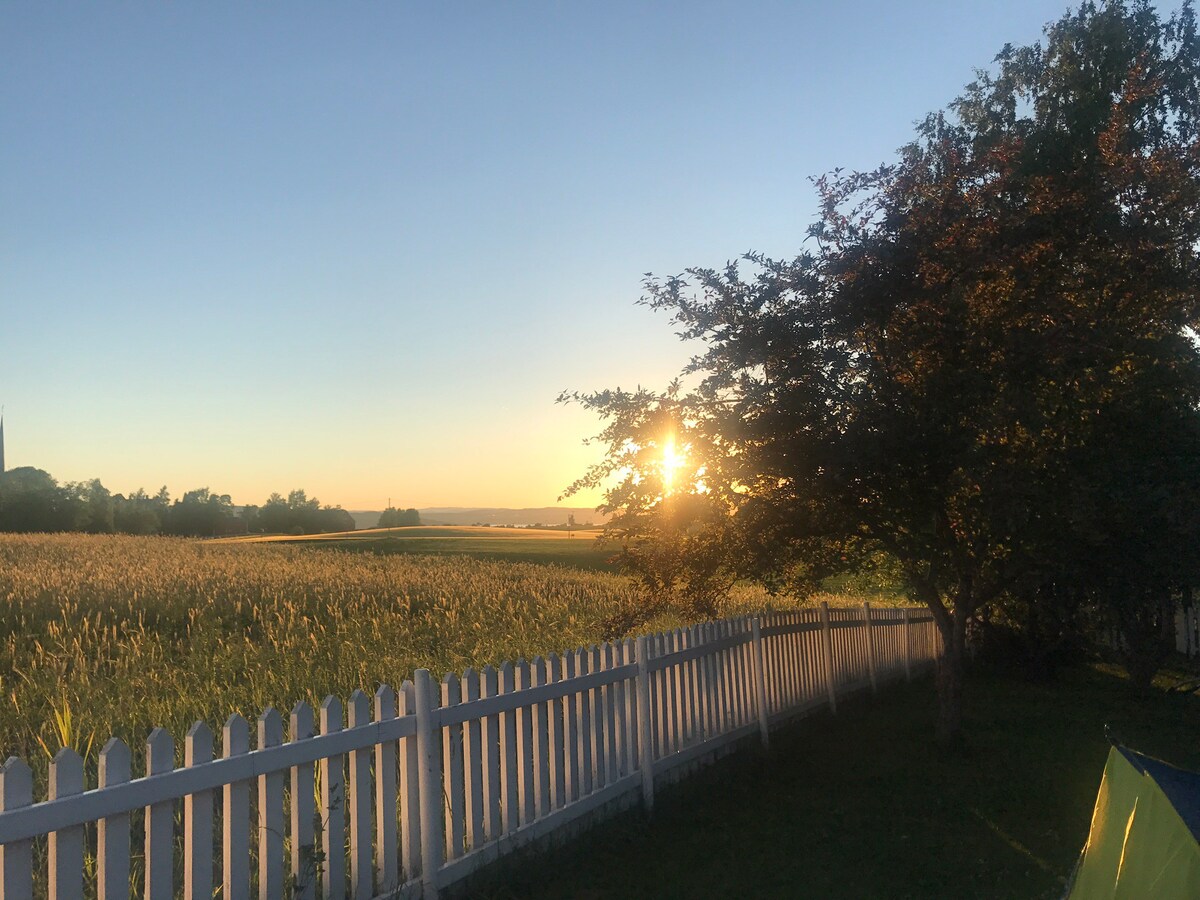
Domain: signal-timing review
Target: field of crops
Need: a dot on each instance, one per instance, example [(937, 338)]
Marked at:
[(113, 635)]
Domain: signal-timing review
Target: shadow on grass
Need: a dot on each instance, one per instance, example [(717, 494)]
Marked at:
[(864, 805)]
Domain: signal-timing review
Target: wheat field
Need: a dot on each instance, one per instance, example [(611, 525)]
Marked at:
[(114, 635)]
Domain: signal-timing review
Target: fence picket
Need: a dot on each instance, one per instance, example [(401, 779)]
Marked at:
[(303, 809), (871, 663), (671, 696), (510, 802), (745, 701), (473, 755), (696, 681), (599, 734), (541, 753), (554, 736), (197, 821), (827, 653), (612, 754), (721, 632), (410, 793), (16, 857), (387, 870), (236, 815), (570, 733), (333, 807), (725, 664), (430, 780), (491, 770), (621, 723), (160, 757), (760, 687), (584, 716), (359, 803), (712, 712), (719, 698), (452, 770), (792, 661), (525, 774), (66, 844), (270, 811), (907, 648), (112, 832), (645, 747), (656, 697)]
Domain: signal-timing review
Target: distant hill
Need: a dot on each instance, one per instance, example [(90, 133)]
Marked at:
[(460, 515)]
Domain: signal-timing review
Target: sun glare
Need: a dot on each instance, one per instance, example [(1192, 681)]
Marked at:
[(671, 463)]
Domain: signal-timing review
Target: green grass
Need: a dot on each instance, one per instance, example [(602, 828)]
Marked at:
[(863, 805), (532, 545), (581, 554)]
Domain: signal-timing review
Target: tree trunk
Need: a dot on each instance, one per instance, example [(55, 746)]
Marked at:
[(950, 672), (1147, 624)]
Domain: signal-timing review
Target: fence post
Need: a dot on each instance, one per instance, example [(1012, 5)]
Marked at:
[(429, 779), (870, 648), (827, 648), (907, 647), (760, 683), (645, 739)]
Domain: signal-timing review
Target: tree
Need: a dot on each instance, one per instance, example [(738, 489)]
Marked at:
[(138, 513), (31, 500), (97, 508), (200, 513), (972, 323), (398, 518), (274, 517), (332, 519)]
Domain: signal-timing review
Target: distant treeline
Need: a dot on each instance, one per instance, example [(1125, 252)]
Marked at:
[(32, 500), (398, 518)]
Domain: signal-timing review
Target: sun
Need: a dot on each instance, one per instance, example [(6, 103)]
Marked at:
[(672, 461)]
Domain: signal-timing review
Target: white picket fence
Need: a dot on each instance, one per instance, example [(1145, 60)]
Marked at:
[(434, 785)]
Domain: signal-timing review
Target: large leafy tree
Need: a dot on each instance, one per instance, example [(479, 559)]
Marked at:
[(969, 330)]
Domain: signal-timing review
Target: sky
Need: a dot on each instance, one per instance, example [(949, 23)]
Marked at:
[(361, 248)]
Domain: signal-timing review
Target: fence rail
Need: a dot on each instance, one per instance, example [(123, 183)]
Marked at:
[(412, 791)]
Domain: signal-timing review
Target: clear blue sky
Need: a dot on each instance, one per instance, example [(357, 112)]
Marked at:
[(359, 248)]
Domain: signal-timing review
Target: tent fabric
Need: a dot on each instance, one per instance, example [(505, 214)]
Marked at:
[(1140, 844), (1181, 786)]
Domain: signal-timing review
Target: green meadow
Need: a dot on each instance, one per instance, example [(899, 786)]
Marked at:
[(577, 549)]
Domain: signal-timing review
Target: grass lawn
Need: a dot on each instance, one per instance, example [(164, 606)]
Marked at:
[(580, 553), (863, 805)]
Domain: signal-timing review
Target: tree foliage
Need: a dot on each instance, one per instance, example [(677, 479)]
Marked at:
[(398, 518), (974, 365), (31, 500)]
